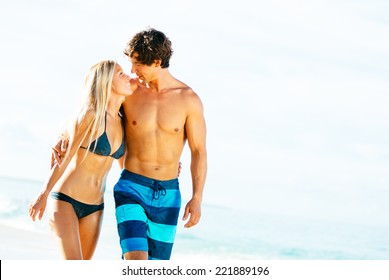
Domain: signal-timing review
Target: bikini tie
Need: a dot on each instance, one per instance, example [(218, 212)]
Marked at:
[(158, 190)]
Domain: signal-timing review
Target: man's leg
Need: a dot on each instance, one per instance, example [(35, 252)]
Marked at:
[(132, 228), (136, 255), (163, 219)]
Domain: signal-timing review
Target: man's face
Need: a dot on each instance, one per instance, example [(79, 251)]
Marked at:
[(141, 70)]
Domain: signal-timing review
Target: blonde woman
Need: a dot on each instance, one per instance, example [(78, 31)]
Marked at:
[(77, 185)]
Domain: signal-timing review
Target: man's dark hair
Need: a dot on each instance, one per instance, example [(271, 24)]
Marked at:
[(150, 45)]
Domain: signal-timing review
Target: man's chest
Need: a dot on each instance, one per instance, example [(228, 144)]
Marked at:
[(152, 114)]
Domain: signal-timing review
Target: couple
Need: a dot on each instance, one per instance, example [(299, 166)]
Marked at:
[(147, 137)]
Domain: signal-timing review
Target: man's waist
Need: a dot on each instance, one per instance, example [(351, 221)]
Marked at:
[(148, 181), (162, 172)]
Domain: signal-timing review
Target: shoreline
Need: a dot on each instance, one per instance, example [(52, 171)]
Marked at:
[(24, 244)]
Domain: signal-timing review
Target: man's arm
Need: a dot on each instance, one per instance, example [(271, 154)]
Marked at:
[(59, 149), (195, 129)]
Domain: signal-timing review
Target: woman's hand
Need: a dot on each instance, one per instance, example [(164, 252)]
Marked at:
[(38, 207)]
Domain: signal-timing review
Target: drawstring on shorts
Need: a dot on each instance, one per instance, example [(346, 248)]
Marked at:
[(158, 189)]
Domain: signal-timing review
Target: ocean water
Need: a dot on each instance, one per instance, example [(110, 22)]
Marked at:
[(224, 233)]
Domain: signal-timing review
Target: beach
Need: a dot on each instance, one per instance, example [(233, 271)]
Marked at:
[(19, 244), (224, 233)]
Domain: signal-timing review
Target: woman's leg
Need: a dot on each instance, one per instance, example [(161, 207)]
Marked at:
[(64, 223), (89, 233)]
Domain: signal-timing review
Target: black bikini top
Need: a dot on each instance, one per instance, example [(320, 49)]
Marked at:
[(103, 147)]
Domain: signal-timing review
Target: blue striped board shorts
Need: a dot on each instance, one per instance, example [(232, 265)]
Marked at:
[(147, 213)]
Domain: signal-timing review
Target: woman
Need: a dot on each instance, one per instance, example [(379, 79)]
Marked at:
[(77, 185)]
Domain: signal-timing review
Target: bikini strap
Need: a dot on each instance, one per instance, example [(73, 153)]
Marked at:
[(105, 124)]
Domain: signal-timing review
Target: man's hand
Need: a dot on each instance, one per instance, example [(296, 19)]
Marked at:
[(59, 151), (193, 211), (179, 169)]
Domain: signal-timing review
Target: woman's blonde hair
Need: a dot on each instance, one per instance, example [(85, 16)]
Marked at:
[(97, 91)]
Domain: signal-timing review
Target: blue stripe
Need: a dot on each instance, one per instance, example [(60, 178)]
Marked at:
[(134, 244), (128, 212), (171, 199), (128, 197), (146, 181), (163, 233), (145, 198), (160, 250), (164, 215), (130, 229)]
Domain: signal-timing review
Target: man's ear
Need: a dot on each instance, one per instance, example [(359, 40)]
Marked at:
[(157, 62)]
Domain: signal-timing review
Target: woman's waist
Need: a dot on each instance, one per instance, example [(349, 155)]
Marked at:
[(88, 189)]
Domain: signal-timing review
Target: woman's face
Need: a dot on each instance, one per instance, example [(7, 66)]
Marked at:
[(121, 82)]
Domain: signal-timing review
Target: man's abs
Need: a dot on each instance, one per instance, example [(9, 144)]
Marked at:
[(154, 159), (152, 169)]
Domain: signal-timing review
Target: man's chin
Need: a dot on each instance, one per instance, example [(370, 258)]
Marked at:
[(142, 80)]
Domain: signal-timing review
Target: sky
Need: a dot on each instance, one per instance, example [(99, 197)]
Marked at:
[(295, 94)]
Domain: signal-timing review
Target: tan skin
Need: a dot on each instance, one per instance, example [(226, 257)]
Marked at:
[(160, 119), (83, 179)]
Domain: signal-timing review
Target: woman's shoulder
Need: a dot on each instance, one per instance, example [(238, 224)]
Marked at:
[(86, 115)]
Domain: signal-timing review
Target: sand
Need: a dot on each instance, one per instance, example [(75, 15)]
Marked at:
[(21, 244)]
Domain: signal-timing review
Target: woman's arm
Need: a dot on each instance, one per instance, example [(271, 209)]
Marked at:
[(38, 206)]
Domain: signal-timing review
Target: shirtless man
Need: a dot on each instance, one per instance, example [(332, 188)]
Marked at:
[(159, 119)]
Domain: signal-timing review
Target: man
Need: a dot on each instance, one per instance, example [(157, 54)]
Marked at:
[(159, 119)]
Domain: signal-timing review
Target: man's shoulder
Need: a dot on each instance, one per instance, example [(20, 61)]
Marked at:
[(187, 92), (191, 99), (181, 87)]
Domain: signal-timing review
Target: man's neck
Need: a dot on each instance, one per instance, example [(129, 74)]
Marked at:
[(162, 81)]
